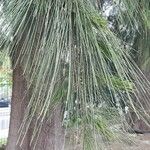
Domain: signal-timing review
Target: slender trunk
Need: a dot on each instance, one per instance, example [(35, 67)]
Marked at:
[(18, 105)]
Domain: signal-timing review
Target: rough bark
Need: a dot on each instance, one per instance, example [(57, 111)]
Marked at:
[(18, 105), (52, 134)]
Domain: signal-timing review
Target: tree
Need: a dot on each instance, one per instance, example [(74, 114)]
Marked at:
[(135, 36), (75, 71)]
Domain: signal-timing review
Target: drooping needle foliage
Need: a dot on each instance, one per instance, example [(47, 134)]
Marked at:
[(71, 58)]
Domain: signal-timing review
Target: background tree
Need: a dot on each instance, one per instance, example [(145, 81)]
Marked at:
[(134, 33)]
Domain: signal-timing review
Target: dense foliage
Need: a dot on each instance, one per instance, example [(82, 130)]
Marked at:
[(71, 57)]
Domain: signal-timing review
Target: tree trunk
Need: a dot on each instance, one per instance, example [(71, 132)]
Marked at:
[(18, 105), (52, 135)]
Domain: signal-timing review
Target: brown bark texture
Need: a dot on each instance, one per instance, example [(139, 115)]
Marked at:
[(51, 136), (18, 105)]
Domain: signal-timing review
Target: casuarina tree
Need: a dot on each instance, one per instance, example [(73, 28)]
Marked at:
[(72, 76)]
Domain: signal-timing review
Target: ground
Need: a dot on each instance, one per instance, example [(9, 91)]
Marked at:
[(142, 142)]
